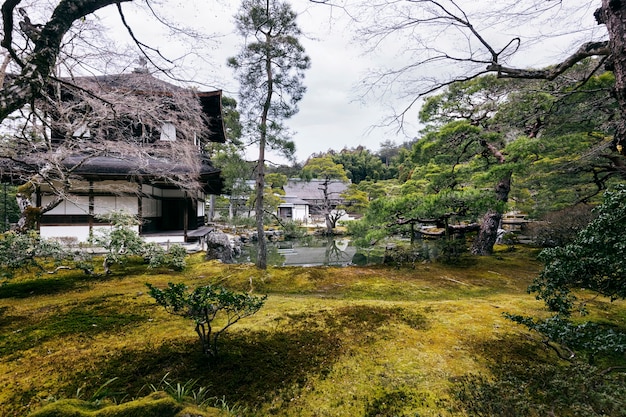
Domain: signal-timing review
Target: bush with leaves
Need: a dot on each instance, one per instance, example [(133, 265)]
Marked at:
[(29, 251), (121, 241), (566, 338), (594, 260), (293, 230), (203, 305)]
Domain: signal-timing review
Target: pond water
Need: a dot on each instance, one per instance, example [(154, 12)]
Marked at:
[(308, 251)]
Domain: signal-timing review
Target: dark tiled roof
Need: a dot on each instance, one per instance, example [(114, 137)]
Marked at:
[(310, 190)]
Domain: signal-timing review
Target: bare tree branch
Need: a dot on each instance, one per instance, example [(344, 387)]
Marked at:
[(37, 66), (585, 51)]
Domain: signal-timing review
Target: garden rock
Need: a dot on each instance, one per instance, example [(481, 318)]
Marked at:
[(219, 247)]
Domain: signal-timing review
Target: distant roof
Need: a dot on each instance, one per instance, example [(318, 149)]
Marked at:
[(293, 200), (134, 81), (311, 190)]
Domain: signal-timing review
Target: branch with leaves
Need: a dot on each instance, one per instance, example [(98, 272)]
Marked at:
[(203, 305)]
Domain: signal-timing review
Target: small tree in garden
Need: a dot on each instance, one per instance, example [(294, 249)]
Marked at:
[(325, 169), (203, 305), (121, 241)]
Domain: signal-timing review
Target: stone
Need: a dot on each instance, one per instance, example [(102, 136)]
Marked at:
[(219, 247)]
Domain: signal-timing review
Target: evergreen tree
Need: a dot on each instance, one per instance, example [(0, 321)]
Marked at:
[(270, 68)]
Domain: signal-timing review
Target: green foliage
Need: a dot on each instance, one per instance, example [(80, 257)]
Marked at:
[(401, 214), (403, 255), (474, 100), (590, 339), (551, 175), (293, 230), (203, 304), (272, 195), (9, 210), (176, 257), (276, 54), (324, 168), (28, 251), (356, 201), (536, 389), (122, 242), (594, 261), (451, 250), (361, 165)]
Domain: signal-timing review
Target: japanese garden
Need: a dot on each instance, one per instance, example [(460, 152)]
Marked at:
[(165, 253)]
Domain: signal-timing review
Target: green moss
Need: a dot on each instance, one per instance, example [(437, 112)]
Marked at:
[(157, 404), (329, 341)]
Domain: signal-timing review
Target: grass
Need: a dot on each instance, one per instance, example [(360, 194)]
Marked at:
[(329, 341)]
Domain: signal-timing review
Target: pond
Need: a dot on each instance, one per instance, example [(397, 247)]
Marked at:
[(308, 251)]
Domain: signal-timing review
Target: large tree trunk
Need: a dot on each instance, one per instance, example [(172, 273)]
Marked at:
[(261, 262), (483, 245), (29, 214), (613, 15)]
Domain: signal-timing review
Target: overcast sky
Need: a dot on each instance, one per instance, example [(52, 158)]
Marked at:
[(332, 115)]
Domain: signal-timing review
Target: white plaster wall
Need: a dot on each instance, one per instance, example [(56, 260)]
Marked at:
[(77, 205), (81, 233), (107, 204), (300, 212), (164, 239)]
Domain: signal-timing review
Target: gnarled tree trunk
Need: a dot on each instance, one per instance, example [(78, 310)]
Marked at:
[(483, 245), (613, 15)]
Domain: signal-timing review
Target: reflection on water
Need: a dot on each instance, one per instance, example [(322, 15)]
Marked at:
[(303, 252)]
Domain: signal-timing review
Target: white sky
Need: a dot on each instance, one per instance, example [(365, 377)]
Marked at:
[(331, 115)]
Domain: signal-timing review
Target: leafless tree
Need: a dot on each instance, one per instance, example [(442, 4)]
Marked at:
[(58, 118), (431, 44)]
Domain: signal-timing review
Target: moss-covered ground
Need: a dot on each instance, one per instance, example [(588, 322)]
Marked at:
[(351, 341)]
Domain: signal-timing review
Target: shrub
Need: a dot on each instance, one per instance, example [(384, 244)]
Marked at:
[(399, 256), (121, 242), (28, 251), (451, 250), (203, 304), (293, 230)]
